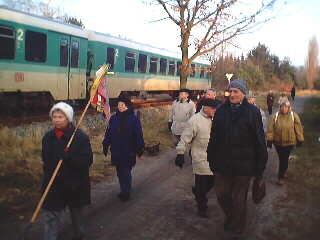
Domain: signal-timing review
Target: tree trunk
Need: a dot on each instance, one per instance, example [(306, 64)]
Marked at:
[(185, 59)]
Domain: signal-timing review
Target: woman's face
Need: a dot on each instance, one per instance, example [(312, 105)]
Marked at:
[(122, 107), (59, 119), (284, 109)]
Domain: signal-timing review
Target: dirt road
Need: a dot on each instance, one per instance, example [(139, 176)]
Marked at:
[(162, 206)]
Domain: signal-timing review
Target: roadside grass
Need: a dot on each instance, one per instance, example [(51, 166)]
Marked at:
[(21, 164), (307, 164), (298, 209)]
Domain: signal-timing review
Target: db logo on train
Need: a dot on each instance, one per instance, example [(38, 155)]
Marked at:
[(19, 77)]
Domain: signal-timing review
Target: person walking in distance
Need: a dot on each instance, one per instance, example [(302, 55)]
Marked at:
[(125, 137), (197, 133), (283, 97), (211, 94), (183, 108), (293, 92), (284, 131), (236, 152), (270, 100), (71, 186)]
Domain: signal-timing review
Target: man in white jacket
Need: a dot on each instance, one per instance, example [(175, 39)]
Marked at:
[(183, 108), (197, 133)]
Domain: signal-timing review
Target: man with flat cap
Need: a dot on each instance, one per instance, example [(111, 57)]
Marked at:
[(197, 133), (236, 152), (183, 108)]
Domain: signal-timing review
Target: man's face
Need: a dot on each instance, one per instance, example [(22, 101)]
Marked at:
[(236, 96), (251, 100), (210, 94), (183, 95), (209, 111)]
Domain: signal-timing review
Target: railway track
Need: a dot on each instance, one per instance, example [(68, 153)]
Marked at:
[(29, 117)]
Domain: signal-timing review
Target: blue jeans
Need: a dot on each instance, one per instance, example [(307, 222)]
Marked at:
[(125, 178)]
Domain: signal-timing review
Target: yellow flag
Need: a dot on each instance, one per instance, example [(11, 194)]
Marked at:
[(101, 72)]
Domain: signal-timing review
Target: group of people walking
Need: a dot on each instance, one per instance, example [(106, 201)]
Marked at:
[(227, 146)]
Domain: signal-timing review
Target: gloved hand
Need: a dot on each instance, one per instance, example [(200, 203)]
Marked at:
[(140, 150), (299, 144), (66, 156), (269, 144), (105, 150), (169, 126), (179, 160)]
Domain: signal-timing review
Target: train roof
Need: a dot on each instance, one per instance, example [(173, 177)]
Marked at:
[(45, 23), (71, 29)]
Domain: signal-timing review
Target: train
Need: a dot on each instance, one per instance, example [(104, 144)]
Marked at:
[(43, 60)]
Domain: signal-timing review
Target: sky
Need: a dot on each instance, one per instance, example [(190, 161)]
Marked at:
[(286, 36)]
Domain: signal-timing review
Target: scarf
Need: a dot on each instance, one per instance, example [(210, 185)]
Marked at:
[(59, 132)]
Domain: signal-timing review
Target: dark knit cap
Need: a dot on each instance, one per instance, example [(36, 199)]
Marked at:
[(240, 84), (210, 102), (125, 100), (185, 90)]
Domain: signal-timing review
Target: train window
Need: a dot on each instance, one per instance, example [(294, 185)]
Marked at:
[(110, 57), (153, 65), (75, 54), (130, 62), (202, 72), (64, 46), (172, 67), (179, 66), (193, 70), (36, 47), (142, 64), (163, 66), (7, 43)]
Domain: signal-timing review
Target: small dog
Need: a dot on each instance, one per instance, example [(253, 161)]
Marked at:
[(154, 150)]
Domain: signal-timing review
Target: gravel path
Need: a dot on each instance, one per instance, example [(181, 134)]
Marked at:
[(162, 206)]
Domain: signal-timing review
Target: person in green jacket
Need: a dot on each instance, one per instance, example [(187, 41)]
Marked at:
[(284, 131)]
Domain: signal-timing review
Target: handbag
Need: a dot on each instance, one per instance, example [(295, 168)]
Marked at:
[(258, 190)]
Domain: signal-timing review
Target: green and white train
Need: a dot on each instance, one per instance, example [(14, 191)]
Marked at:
[(44, 60)]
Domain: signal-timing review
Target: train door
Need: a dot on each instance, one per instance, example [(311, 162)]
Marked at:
[(74, 76), (69, 70)]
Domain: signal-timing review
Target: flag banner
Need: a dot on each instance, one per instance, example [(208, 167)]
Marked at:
[(100, 99)]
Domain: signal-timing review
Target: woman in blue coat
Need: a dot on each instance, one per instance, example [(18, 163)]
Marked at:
[(125, 138)]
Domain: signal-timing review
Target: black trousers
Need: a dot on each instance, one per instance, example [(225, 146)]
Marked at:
[(270, 109), (202, 185), (283, 154)]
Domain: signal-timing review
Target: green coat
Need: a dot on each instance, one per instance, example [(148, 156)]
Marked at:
[(285, 129)]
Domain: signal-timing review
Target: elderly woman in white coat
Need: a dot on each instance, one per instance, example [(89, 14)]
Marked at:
[(197, 133)]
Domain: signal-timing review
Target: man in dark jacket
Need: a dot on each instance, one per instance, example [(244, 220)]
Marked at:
[(211, 93), (236, 153), (270, 100)]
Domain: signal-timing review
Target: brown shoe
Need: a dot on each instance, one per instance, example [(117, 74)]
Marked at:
[(281, 181)]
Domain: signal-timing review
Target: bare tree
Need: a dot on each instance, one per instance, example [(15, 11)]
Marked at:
[(312, 62), (207, 24)]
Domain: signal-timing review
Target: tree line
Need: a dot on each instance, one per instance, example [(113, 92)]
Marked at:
[(263, 70)]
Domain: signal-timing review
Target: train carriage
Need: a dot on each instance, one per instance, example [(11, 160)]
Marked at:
[(141, 67), (43, 60)]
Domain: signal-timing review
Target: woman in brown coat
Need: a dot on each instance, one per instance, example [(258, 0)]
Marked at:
[(284, 131)]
